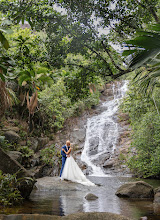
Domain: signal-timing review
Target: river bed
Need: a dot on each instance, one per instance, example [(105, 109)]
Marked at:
[(62, 202)]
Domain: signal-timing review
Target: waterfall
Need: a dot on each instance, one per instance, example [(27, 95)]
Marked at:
[(102, 131)]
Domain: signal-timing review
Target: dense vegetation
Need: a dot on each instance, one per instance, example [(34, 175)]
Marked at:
[(144, 156), (9, 193), (54, 64)]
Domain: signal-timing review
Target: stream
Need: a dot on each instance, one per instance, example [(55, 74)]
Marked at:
[(102, 132), (62, 202)]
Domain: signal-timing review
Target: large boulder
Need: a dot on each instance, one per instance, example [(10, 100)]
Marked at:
[(157, 190), (95, 216), (11, 166), (157, 198), (109, 164), (15, 155), (37, 143), (75, 216), (12, 136), (91, 196), (139, 189)]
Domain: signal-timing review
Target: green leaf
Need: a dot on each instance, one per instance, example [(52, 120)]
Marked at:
[(2, 77), (45, 78), (4, 41), (128, 52), (23, 78), (143, 57)]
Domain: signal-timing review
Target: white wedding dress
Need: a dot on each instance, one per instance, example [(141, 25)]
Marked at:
[(72, 172)]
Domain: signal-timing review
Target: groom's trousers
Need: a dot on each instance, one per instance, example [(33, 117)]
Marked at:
[(63, 162)]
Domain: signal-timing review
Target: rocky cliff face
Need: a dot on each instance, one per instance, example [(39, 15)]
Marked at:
[(74, 130), (11, 166)]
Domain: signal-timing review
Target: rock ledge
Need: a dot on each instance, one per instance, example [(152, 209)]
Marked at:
[(76, 216)]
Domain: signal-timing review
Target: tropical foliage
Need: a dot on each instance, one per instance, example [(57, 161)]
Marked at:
[(144, 154), (47, 155), (9, 193)]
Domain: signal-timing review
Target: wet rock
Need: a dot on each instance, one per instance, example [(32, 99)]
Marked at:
[(29, 217), (77, 153), (91, 196), (82, 165), (93, 145), (15, 155), (102, 159), (78, 135), (8, 165), (156, 207), (95, 216), (55, 183), (157, 190), (137, 189), (109, 164), (87, 171), (12, 136), (75, 216), (157, 198), (108, 92)]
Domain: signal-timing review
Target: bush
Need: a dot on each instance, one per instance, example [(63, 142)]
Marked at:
[(144, 158), (47, 155), (27, 153), (55, 106), (146, 139), (5, 145), (9, 193)]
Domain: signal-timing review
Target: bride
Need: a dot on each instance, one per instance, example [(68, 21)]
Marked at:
[(72, 172)]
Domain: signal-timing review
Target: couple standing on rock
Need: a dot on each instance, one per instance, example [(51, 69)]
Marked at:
[(70, 169)]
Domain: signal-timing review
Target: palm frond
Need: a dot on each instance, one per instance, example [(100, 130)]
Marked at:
[(12, 95)]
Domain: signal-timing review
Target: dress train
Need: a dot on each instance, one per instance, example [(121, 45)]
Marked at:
[(72, 172)]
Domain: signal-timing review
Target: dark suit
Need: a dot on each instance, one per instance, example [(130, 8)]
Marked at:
[(64, 156)]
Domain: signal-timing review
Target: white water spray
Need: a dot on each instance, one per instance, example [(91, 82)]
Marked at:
[(102, 131)]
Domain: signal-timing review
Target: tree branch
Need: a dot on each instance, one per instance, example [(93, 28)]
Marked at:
[(121, 73), (109, 68), (79, 65), (111, 58)]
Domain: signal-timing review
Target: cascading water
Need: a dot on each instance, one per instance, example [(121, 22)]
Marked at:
[(102, 131)]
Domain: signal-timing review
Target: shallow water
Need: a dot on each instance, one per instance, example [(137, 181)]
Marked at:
[(63, 203)]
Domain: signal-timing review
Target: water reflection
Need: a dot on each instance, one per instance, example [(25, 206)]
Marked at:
[(72, 202)]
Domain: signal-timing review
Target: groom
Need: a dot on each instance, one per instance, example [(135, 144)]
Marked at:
[(64, 156)]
